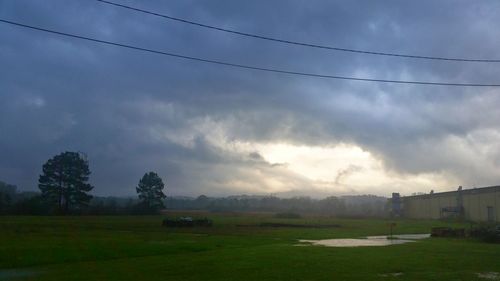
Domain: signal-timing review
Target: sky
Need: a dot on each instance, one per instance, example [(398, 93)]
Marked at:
[(217, 130)]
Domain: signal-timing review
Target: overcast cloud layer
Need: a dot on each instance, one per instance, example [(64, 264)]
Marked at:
[(217, 130)]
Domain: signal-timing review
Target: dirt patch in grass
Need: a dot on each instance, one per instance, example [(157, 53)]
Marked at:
[(392, 274)]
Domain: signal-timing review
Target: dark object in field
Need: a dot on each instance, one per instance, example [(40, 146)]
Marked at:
[(447, 232), (486, 232), (272, 224), (187, 222), (287, 215)]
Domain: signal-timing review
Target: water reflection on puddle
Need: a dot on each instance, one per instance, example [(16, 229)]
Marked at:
[(368, 241)]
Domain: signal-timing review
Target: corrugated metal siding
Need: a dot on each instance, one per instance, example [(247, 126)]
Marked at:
[(475, 203)]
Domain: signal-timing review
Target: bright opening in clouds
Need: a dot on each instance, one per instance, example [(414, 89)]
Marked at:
[(217, 130)]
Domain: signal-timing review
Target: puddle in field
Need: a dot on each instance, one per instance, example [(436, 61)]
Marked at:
[(402, 236), (488, 275), (368, 241), (14, 274)]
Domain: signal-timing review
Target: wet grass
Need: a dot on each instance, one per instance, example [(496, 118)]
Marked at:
[(138, 248)]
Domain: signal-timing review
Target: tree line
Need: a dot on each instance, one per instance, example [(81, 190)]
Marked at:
[(342, 206)]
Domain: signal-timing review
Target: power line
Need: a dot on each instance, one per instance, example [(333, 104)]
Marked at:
[(274, 70), (297, 42)]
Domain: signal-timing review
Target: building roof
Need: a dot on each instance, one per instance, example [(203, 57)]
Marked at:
[(464, 191)]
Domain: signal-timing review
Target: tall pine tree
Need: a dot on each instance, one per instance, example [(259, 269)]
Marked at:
[(150, 190), (64, 181)]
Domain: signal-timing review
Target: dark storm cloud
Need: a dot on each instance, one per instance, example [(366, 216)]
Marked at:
[(132, 112)]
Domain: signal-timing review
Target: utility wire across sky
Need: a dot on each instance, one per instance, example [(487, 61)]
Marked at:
[(304, 44), (274, 70)]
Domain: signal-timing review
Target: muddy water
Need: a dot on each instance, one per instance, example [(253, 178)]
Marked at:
[(368, 241)]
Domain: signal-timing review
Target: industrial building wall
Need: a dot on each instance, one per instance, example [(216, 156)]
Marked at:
[(497, 206), (476, 204), (427, 206)]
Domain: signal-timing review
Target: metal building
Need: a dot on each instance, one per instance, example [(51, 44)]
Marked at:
[(477, 204)]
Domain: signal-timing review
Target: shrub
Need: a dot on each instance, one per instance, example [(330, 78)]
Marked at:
[(487, 232), (187, 222)]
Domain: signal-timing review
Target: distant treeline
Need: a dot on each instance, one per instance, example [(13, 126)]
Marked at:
[(31, 203), (354, 206)]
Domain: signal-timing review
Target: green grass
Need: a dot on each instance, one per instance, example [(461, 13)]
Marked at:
[(138, 248)]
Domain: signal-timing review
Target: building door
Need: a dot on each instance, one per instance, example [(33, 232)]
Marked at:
[(491, 214)]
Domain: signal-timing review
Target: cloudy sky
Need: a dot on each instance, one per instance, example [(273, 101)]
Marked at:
[(217, 130)]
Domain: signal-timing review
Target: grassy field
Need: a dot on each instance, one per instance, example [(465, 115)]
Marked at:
[(236, 248)]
